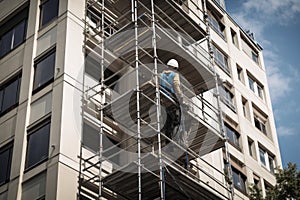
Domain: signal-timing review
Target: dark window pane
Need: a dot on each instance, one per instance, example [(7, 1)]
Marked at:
[(5, 164), (239, 180), (10, 95), (49, 10), (262, 157), (1, 97), (5, 45), (38, 144), (19, 33), (44, 71)]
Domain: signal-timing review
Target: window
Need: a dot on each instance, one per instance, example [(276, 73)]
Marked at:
[(271, 164), (216, 25), (221, 60), (255, 86), (260, 91), (234, 37), (49, 11), (251, 84), (13, 32), (227, 98), (239, 73), (38, 144), (5, 163), (262, 157), (251, 147), (254, 57), (267, 159), (9, 94), (44, 70), (239, 180), (260, 124), (249, 49), (245, 107), (232, 135)]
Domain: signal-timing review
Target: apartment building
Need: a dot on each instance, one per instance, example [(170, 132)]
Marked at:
[(81, 111)]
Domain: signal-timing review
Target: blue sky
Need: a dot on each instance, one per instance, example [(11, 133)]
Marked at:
[(276, 27)]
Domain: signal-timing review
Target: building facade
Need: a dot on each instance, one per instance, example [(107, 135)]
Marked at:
[(72, 74)]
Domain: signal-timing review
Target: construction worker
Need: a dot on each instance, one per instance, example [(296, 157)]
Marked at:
[(170, 84)]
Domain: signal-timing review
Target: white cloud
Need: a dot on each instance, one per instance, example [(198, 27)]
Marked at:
[(280, 84), (283, 131), (282, 11), (257, 16)]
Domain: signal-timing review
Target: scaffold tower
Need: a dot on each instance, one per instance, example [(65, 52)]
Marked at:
[(126, 153)]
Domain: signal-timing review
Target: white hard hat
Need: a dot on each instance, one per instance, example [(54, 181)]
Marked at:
[(173, 63)]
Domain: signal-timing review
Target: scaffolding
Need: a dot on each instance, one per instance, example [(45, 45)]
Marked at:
[(125, 151)]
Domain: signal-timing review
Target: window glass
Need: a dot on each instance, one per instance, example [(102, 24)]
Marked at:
[(19, 33), (49, 11), (271, 163), (5, 164), (1, 97), (44, 71), (13, 31), (254, 57), (260, 91), (262, 157), (232, 135), (10, 95), (251, 84), (239, 180), (37, 146), (5, 44), (221, 60)]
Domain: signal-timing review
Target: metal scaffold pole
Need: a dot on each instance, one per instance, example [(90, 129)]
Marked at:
[(102, 99), (221, 123), (134, 9), (158, 108)]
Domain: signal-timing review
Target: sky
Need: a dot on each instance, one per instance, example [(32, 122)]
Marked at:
[(276, 27)]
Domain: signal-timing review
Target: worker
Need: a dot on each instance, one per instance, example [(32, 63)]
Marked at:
[(170, 84)]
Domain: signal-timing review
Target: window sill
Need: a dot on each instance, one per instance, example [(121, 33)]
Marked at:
[(9, 110), (41, 87), (224, 69), (35, 165), (235, 146), (46, 27), (240, 190), (12, 52)]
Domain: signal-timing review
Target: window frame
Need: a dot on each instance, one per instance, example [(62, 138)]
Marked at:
[(223, 62), (262, 154), (235, 136), (216, 24), (260, 124), (241, 179), (30, 133), (251, 148), (17, 77), (8, 147), (10, 24), (234, 37), (39, 60), (228, 98), (42, 3)]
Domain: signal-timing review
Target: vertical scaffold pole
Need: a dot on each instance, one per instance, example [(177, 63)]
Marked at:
[(102, 99), (135, 16), (158, 108), (221, 123)]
